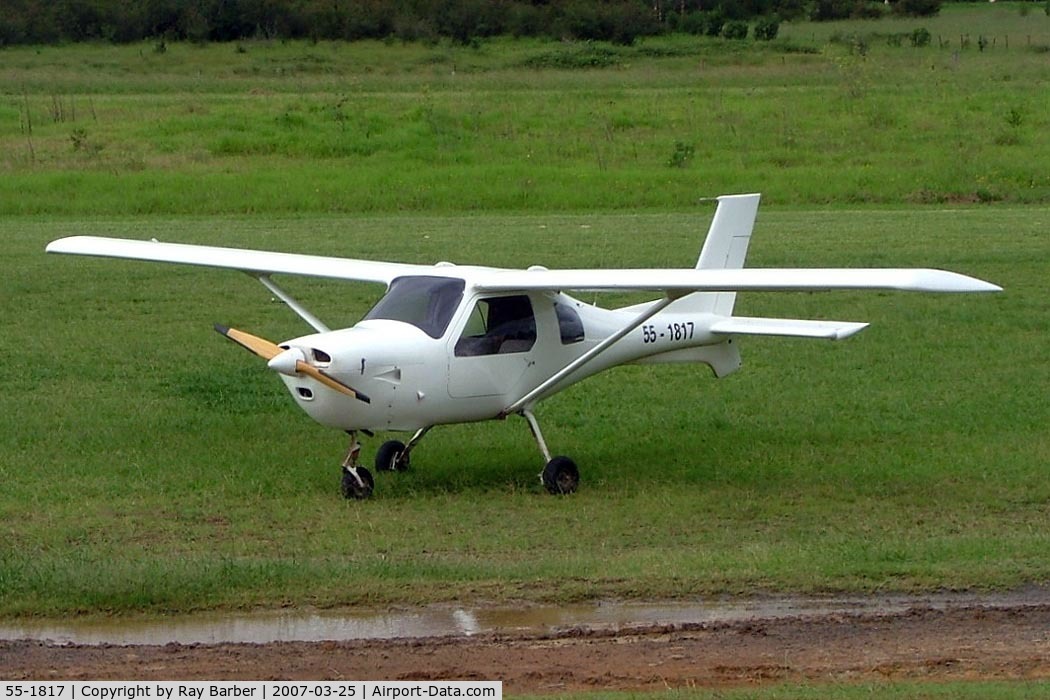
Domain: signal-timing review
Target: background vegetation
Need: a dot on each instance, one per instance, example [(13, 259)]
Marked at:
[(846, 112), (463, 21), (148, 465)]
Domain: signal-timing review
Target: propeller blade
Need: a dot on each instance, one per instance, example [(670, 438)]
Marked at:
[(267, 350), (330, 381), (260, 346)]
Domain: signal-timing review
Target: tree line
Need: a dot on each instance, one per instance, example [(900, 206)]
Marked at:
[(464, 21)]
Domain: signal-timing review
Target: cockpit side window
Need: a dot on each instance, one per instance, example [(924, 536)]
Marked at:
[(498, 325), (428, 303), (569, 323)]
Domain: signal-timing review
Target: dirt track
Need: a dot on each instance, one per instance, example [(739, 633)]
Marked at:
[(922, 643)]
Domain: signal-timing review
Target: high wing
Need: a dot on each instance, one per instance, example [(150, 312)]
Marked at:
[(257, 262), (679, 282), (673, 282)]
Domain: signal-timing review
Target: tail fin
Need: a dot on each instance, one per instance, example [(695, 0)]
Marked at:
[(724, 249)]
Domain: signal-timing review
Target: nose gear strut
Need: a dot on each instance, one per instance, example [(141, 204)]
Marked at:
[(357, 482)]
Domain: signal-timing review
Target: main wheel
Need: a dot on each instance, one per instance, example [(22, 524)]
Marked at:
[(389, 457), (561, 476), (354, 489)]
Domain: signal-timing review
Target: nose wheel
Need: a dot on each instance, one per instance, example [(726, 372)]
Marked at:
[(357, 482), (393, 455)]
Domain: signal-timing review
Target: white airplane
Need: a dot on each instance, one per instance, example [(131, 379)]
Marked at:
[(455, 343)]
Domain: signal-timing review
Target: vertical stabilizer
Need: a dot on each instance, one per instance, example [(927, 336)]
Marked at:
[(724, 249)]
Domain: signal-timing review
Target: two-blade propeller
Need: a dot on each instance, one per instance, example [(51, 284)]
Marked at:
[(287, 361)]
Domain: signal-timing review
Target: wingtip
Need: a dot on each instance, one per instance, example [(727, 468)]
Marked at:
[(989, 287), (932, 280), (965, 283), (56, 246)]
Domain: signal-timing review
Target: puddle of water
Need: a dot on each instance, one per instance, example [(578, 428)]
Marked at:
[(436, 621)]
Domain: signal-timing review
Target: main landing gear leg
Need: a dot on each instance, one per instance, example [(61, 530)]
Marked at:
[(357, 481), (392, 455), (560, 475)]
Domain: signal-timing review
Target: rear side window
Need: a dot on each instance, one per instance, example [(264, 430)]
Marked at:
[(569, 324)]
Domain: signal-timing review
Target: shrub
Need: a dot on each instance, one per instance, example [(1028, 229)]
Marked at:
[(766, 29), (917, 8), (696, 23), (791, 10), (920, 37), (526, 20), (713, 23), (681, 155), (866, 10), (619, 22), (828, 10), (737, 29), (572, 57)]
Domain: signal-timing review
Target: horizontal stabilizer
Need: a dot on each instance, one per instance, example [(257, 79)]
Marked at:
[(832, 330)]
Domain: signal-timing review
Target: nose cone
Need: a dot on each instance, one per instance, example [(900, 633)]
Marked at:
[(285, 362)]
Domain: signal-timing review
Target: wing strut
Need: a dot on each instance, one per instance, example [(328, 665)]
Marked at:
[(586, 357), (294, 305)]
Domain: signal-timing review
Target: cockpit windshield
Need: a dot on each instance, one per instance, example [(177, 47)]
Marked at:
[(428, 303)]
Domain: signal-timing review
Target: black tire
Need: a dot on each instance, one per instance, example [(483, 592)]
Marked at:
[(357, 491), (561, 476), (388, 457)]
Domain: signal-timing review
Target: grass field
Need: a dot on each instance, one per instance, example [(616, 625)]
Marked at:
[(263, 127), (148, 466)]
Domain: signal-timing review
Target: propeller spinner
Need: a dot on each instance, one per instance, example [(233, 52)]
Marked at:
[(287, 361)]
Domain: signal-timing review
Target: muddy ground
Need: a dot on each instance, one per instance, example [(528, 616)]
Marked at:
[(920, 643)]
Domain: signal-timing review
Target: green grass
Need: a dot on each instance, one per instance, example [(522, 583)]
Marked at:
[(151, 466), (148, 465), (1013, 26), (524, 126)]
